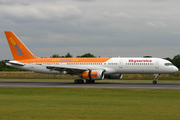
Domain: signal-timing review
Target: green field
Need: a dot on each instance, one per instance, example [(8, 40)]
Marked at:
[(88, 104)]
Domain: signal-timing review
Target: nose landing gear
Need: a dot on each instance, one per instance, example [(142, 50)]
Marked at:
[(156, 78)]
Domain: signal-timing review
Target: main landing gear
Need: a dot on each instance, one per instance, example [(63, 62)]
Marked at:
[(81, 81), (156, 78), (90, 81)]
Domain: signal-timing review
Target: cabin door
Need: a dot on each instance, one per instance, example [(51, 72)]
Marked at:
[(32, 64), (157, 65), (120, 63)]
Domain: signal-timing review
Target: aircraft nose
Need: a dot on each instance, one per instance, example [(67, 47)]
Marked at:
[(175, 69)]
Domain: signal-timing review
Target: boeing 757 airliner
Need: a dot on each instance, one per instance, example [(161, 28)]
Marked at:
[(89, 69)]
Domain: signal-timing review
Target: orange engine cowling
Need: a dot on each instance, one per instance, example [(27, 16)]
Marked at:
[(93, 74)]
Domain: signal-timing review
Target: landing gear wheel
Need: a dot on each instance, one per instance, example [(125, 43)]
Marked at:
[(79, 81), (90, 81), (75, 81), (154, 82)]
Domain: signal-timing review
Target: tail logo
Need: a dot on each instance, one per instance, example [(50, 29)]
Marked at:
[(15, 47)]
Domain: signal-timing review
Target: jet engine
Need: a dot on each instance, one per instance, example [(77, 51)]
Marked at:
[(93, 74), (114, 76)]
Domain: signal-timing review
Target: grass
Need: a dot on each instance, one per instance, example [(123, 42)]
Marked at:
[(88, 104), (32, 75)]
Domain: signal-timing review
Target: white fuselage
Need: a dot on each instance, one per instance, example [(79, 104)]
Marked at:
[(112, 66)]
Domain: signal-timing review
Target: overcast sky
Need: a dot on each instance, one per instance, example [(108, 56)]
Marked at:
[(106, 28)]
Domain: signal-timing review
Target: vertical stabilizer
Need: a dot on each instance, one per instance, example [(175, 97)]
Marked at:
[(18, 49)]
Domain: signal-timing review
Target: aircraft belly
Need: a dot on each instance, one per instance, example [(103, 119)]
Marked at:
[(111, 71), (139, 70), (43, 69)]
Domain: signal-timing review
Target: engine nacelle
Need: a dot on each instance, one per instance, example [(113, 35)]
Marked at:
[(114, 76), (93, 75)]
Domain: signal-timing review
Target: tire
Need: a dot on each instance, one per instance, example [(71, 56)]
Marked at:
[(81, 81), (76, 81), (92, 81), (154, 82), (87, 81)]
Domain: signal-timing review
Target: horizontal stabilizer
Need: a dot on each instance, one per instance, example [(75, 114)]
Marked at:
[(16, 63)]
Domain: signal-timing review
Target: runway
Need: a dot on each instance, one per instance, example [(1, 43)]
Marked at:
[(116, 85)]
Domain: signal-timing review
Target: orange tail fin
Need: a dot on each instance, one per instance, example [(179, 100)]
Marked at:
[(18, 49)]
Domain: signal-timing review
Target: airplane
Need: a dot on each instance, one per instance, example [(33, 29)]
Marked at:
[(88, 69)]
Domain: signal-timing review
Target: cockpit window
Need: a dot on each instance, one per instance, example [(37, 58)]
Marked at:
[(168, 64)]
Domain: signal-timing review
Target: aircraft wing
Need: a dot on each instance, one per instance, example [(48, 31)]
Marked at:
[(67, 69)]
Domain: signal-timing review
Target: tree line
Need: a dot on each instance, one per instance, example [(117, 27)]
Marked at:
[(4, 67), (68, 55)]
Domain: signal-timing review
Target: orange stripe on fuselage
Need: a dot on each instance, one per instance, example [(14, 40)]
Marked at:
[(65, 60)]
